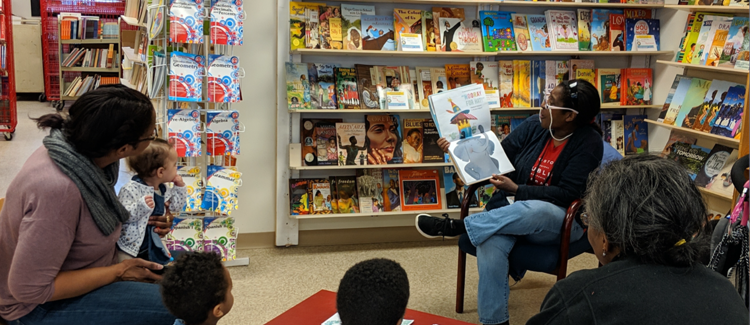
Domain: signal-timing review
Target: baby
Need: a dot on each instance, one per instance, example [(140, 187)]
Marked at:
[(147, 195)]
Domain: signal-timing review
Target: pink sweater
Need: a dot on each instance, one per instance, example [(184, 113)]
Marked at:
[(45, 228)]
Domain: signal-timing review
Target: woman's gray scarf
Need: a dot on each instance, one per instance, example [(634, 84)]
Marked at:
[(95, 184)]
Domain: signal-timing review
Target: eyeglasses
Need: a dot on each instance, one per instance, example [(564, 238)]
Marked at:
[(546, 105), (585, 219)]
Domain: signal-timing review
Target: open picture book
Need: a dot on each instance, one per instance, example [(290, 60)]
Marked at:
[(462, 117)]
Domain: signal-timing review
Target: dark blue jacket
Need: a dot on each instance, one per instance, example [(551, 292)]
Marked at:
[(580, 156)]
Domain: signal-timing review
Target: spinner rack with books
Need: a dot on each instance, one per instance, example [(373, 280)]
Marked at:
[(8, 113), (289, 163)]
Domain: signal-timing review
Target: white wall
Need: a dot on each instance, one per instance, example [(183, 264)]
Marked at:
[(21, 8)]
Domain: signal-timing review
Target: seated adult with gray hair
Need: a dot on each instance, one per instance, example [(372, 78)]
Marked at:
[(646, 223)]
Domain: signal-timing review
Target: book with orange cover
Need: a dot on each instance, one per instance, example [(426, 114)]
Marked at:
[(420, 190), (458, 75)]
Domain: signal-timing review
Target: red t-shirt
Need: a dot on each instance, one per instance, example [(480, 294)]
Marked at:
[(541, 171)]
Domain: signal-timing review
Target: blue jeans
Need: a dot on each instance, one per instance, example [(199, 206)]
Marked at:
[(116, 303), (495, 232)]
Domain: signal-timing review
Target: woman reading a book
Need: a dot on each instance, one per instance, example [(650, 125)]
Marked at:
[(61, 220), (553, 154)]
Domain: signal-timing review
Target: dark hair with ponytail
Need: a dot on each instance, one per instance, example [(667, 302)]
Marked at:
[(104, 120), (587, 101), (646, 206)]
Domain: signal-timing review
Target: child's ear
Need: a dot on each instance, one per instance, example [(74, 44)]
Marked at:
[(217, 312), (160, 172)]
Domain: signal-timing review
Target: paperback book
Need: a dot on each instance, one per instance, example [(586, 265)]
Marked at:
[(617, 32), (439, 27), (715, 162), (348, 200), (191, 175), (584, 29), (600, 28), (222, 187), (346, 88), (692, 157), (186, 235), (506, 83), (351, 144), (413, 144), (222, 133), (638, 27), (370, 190), (186, 21), (220, 237), (458, 75), (297, 86), (456, 190), (407, 21), (439, 81), (636, 134), (711, 104), (325, 142), (223, 78), (322, 85), (721, 183), (564, 30), (692, 102), (608, 83), (351, 24), (729, 119), (432, 152), (184, 131), (737, 34), (392, 193), (227, 23), (329, 28), (319, 191), (186, 77), (636, 88), (679, 96)]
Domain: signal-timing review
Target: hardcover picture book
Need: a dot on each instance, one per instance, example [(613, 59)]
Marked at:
[(584, 29), (325, 141), (184, 126), (608, 83), (636, 134), (691, 157), (351, 23), (715, 162), (309, 139), (635, 27), (420, 190), (322, 85), (329, 28), (521, 31), (370, 190), (186, 21), (600, 28), (383, 134), (563, 29), (297, 86), (636, 88), (497, 31), (351, 144), (407, 21), (346, 88), (539, 32), (456, 190), (721, 183), (369, 98), (617, 32), (440, 28), (458, 75), (392, 193), (439, 80), (413, 144), (186, 77), (377, 33), (348, 200)]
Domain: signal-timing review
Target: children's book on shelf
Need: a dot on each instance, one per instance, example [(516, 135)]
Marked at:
[(608, 135), (322, 85), (743, 56), (600, 28), (584, 29), (312, 25), (329, 28), (506, 83), (348, 201), (351, 144), (297, 86), (428, 32), (692, 102), (184, 131), (392, 193), (486, 73), (636, 134), (712, 57), (586, 74), (729, 119), (309, 138), (334, 195), (325, 140), (711, 103), (637, 13), (636, 86), (580, 64), (689, 46), (563, 30), (395, 88), (382, 137), (431, 152), (420, 190), (368, 90), (721, 183), (223, 78), (439, 80), (186, 235), (413, 144), (692, 157), (456, 190), (539, 32), (370, 190), (523, 90), (737, 33), (668, 100), (686, 31), (186, 21), (222, 186), (227, 26), (186, 76), (617, 32), (679, 96), (463, 118), (700, 42), (538, 82), (377, 33), (638, 27), (220, 237), (562, 71), (347, 95), (424, 85), (222, 133), (191, 175), (608, 83), (716, 160), (676, 137), (504, 123), (439, 27), (407, 21), (550, 76), (467, 36), (521, 31), (497, 31), (351, 23), (458, 75), (715, 109)]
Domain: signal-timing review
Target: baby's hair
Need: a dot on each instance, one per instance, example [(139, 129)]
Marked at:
[(194, 285), (151, 159)]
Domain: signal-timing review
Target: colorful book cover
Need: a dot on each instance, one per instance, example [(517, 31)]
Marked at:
[(730, 116), (351, 24), (186, 21), (636, 134), (616, 32), (562, 72), (370, 190), (584, 29), (458, 75), (711, 58), (186, 235), (312, 25), (191, 175), (636, 90), (383, 139), (334, 195), (377, 33), (395, 88), (576, 64), (484, 194), (719, 23), (608, 83), (637, 13), (688, 26), (691, 157), (392, 195), (348, 200), (618, 136), (220, 237), (227, 22), (600, 28), (538, 82), (668, 100), (485, 73), (407, 21), (506, 83), (424, 85), (413, 143), (463, 36), (716, 105), (524, 83), (223, 78), (692, 102), (184, 128), (679, 96), (700, 114), (428, 32), (439, 80), (516, 71), (715, 162), (329, 30), (322, 85), (692, 36), (456, 190), (504, 124), (607, 129), (186, 77), (497, 31), (563, 30), (420, 190), (346, 88), (743, 56), (673, 138), (297, 86), (368, 89), (521, 31), (700, 42), (319, 192), (222, 133), (431, 152), (325, 141), (440, 28), (586, 74), (538, 32), (737, 33), (634, 27), (351, 144), (222, 187), (308, 136), (722, 183)]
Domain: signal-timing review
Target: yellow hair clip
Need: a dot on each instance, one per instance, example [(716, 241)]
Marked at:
[(679, 243)]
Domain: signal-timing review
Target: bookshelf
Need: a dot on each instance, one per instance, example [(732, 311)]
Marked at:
[(350, 167), (399, 111), (703, 67), (8, 110), (91, 41), (517, 3), (322, 52), (698, 134), (715, 195), (717, 9), (376, 214)]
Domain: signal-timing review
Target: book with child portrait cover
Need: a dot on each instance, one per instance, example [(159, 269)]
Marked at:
[(319, 192), (348, 200)]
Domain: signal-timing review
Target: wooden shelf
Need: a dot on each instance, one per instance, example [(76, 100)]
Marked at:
[(516, 3), (721, 139), (470, 54), (90, 41), (713, 194), (721, 9), (584, 53), (399, 111), (91, 69), (131, 21), (333, 167), (379, 214), (703, 67)]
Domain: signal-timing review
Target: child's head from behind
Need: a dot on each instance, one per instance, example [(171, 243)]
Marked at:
[(197, 288), (373, 292), (159, 161)]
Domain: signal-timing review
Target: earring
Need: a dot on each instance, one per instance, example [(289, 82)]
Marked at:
[(604, 254)]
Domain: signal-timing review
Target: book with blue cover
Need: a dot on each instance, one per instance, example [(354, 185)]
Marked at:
[(636, 134), (600, 28), (377, 33), (635, 27), (538, 32)]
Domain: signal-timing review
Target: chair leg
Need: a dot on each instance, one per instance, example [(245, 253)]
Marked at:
[(461, 281)]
